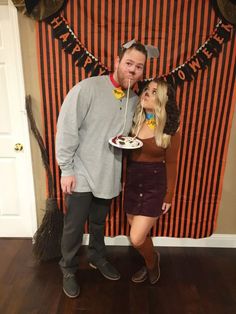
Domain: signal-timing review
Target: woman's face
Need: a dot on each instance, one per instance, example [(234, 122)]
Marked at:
[(148, 97)]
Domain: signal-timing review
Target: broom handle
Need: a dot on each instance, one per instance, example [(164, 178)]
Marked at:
[(38, 137)]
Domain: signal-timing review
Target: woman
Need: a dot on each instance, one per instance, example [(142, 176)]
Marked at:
[(151, 171)]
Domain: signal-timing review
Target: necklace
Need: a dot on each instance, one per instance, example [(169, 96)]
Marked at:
[(150, 120)]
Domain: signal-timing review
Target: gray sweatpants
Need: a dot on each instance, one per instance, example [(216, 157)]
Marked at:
[(81, 206)]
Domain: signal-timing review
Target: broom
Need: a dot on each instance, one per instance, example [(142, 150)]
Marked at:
[(47, 239)]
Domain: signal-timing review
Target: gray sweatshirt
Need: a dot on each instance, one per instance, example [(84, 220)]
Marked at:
[(90, 115)]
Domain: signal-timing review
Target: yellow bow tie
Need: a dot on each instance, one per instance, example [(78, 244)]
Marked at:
[(118, 93)]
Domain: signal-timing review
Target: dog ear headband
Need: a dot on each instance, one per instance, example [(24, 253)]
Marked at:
[(152, 52)]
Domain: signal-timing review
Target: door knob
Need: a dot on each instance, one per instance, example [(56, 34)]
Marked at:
[(18, 147)]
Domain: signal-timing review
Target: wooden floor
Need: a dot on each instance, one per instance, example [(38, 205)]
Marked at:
[(193, 281)]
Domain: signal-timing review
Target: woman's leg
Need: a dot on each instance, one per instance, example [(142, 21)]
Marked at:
[(140, 228), (130, 219)]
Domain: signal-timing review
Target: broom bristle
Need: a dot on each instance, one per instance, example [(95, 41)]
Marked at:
[(47, 239)]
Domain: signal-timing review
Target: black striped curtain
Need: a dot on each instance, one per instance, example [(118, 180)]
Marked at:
[(178, 28)]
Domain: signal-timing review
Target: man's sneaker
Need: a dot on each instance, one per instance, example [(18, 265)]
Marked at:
[(106, 269), (141, 275), (154, 273), (70, 286)]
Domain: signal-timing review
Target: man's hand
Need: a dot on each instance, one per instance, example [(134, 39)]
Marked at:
[(68, 184), (165, 207)]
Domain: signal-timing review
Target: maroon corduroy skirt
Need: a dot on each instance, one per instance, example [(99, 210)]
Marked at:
[(145, 188)]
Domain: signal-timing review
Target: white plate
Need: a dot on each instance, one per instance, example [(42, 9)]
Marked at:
[(125, 142)]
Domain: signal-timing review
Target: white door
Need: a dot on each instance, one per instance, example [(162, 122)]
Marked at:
[(17, 199)]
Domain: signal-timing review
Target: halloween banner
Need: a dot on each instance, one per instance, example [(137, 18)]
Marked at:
[(197, 56), (185, 72)]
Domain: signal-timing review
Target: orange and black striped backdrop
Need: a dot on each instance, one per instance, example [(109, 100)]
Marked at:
[(178, 28)]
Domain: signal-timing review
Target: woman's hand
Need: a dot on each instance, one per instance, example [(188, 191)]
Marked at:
[(165, 207)]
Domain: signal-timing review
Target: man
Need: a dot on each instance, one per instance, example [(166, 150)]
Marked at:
[(91, 114)]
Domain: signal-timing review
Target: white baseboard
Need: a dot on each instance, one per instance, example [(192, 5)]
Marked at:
[(216, 240)]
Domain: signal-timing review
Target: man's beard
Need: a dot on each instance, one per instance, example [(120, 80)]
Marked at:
[(124, 82)]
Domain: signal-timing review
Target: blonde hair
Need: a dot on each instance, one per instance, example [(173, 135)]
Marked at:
[(162, 139)]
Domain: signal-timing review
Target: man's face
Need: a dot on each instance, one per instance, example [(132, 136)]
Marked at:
[(130, 67)]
